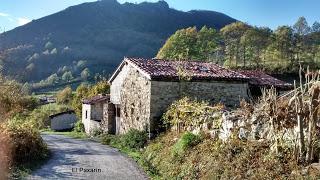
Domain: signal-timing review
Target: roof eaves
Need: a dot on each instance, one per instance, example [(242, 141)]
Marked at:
[(114, 75)]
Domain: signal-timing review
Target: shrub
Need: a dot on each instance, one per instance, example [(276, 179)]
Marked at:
[(21, 145), (64, 96), (108, 139), (134, 139), (186, 141), (79, 127), (96, 132)]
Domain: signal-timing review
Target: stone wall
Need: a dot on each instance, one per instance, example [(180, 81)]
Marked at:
[(108, 121), (135, 102), (117, 84), (165, 93)]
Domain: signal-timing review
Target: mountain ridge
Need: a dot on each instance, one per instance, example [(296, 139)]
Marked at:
[(100, 32)]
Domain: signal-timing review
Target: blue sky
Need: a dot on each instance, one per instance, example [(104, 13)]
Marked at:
[(271, 13)]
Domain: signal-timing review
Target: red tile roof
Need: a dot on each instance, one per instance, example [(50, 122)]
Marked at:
[(162, 70), (96, 99), (261, 79), (168, 70)]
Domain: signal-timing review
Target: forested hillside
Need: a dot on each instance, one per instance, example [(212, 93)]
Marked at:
[(96, 36), (240, 45)]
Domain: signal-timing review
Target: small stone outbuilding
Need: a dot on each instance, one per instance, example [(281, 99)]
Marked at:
[(92, 112), (63, 121)]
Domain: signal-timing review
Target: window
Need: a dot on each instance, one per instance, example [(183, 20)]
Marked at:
[(86, 114)]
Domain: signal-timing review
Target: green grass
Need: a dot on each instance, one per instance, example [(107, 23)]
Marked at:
[(73, 134)]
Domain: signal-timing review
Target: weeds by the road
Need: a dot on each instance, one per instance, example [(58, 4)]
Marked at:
[(73, 134), (132, 144)]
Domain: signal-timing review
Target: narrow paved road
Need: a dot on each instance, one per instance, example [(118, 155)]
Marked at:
[(84, 159)]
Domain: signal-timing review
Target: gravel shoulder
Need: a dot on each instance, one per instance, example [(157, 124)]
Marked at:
[(85, 159)]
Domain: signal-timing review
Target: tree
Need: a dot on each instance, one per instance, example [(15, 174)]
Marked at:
[(64, 96), (232, 34), (53, 79), (85, 91), (180, 45), (190, 44), (102, 87), (54, 51), (207, 43), (67, 76), (81, 93), (316, 27), (48, 45), (81, 64), (85, 74), (65, 69), (254, 42), (283, 42), (301, 27)]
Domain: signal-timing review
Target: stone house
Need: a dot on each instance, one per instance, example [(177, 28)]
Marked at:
[(141, 90), (63, 121)]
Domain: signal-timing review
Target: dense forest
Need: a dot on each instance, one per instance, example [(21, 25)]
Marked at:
[(240, 45)]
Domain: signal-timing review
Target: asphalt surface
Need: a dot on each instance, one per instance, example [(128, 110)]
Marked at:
[(85, 159)]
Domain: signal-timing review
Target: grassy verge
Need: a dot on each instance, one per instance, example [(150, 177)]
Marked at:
[(73, 134), (132, 144)]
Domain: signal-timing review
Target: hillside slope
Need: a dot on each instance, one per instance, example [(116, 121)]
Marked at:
[(101, 33)]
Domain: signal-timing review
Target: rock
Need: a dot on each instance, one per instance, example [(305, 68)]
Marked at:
[(243, 134)]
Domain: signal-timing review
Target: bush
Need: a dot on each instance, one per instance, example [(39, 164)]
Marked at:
[(64, 96), (21, 145), (134, 139), (96, 132), (108, 139), (79, 127), (186, 141)]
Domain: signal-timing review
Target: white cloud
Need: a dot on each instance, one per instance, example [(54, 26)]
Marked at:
[(4, 14), (23, 21)]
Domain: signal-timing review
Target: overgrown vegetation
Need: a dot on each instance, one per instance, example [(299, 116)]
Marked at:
[(215, 159), (132, 140), (187, 114), (21, 146), (275, 138)]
